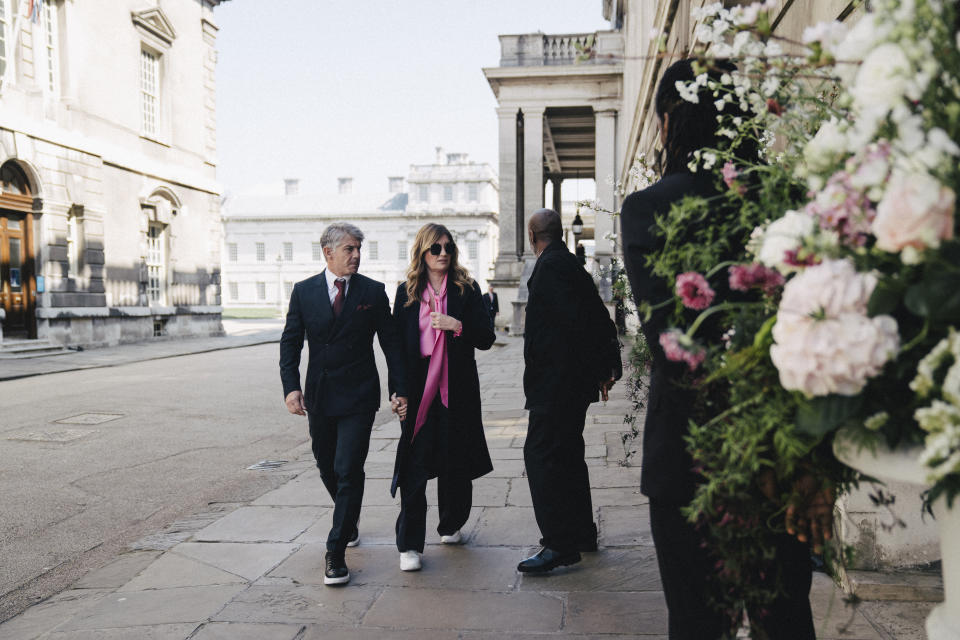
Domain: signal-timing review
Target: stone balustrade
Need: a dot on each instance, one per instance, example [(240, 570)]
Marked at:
[(539, 49)]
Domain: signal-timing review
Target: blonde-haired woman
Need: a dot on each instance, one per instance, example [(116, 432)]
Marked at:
[(441, 319)]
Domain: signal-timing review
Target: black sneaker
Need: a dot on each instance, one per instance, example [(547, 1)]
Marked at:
[(355, 540), (336, 571)]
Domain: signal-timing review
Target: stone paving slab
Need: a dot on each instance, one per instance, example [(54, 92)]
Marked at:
[(140, 632), (605, 612), (249, 561), (172, 570), (261, 524), (325, 632), (460, 610), (633, 570), (246, 631), (303, 603)]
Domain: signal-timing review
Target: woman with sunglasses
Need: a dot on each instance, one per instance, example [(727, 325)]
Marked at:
[(442, 319)]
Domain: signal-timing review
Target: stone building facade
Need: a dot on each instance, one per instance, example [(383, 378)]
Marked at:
[(109, 213), (272, 242)]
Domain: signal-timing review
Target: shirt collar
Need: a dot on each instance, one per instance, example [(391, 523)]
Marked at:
[(332, 278)]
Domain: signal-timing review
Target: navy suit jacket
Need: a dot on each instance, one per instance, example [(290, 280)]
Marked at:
[(342, 372)]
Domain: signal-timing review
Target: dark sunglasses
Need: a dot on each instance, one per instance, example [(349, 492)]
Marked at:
[(449, 247)]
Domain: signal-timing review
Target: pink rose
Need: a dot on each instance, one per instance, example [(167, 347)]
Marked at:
[(916, 211), (694, 291)]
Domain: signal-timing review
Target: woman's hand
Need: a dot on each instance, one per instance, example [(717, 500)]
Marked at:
[(444, 322), (399, 406)]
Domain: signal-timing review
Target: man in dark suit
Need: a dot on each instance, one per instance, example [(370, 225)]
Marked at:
[(492, 304), (571, 355), (339, 310)]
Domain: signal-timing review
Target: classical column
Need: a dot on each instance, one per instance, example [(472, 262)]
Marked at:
[(605, 173), (506, 268), (533, 187), (557, 196)]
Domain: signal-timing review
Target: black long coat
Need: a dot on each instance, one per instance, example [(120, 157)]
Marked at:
[(467, 453), (666, 469)]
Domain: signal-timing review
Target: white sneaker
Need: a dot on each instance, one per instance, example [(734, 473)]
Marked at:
[(454, 538), (409, 561)]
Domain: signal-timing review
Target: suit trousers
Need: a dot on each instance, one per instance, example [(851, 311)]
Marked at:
[(340, 445), (559, 480), (685, 567), (426, 460)]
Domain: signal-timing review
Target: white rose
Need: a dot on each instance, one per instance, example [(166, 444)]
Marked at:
[(883, 79), (826, 146), (916, 211), (785, 234)]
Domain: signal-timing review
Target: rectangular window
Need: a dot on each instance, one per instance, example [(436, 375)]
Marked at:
[(232, 251), (287, 289), (288, 251), (156, 261), (317, 252), (50, 40), (424, 193), (4, 21), (402, 250), (261, 252), (261, 291), (373, 250), (149, 91), (472, 249), (473, 192), (234, 290), (73, 247), (447, 192)]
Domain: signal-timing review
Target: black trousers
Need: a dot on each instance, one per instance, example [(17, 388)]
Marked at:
[(427, 459), (559, 480), (340, 445), (684, 570)]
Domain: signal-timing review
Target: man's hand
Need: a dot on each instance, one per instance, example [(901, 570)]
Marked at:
[(398, 404), (294, 402), (809, 514), (605, 387), (444, 322)]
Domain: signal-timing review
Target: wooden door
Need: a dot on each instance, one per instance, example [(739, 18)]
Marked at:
[(13, 290)]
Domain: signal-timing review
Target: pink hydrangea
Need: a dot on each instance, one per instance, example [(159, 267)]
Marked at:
[(677, 347), (694, 291), (743, 277), (730, 175), (843, 208)]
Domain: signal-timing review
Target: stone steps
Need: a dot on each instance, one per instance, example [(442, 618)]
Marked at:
[(20, 349)]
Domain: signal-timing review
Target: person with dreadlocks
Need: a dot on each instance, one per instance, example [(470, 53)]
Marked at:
[(668, 477)]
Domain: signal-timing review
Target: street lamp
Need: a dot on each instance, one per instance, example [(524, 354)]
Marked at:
[(577, 226)]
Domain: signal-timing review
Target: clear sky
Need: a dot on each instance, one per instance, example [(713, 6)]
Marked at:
[(318, 89)]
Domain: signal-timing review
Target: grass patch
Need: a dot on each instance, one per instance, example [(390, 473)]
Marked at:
[(252, 312)]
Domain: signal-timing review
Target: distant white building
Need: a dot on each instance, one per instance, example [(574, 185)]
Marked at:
[(272, 242), (109, 207)]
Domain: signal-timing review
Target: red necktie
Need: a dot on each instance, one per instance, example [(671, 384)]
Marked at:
[(339, 283)]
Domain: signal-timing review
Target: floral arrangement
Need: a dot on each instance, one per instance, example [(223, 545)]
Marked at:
[(837, 254)]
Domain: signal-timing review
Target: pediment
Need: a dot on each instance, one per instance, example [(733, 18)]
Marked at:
[(155, 23)]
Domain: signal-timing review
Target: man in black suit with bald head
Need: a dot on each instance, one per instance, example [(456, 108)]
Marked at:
[(571, 355)]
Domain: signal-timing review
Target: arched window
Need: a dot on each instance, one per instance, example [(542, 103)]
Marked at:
[(160, 209), (14, 180)]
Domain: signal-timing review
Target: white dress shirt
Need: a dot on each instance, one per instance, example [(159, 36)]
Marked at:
[(332, 288)]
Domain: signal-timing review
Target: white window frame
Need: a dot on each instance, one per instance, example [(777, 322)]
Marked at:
[(73, 246), (473, 249), (473, 192), (317, 251), (402, 250), (232, 253), (288, 251), (423, 193), (448, 193), (234, 290), (261, 251), (156, 263), (261, 291), (373, 250), (287, 289), (50, 41), (4, 36), (150, 92)]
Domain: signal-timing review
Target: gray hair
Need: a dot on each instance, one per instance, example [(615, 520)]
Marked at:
[(334, 234)]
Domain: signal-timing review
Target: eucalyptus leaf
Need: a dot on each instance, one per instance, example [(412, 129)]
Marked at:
[(820, 415)]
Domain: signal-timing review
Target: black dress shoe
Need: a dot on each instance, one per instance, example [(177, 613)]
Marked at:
[(336, 571), (547, 560)]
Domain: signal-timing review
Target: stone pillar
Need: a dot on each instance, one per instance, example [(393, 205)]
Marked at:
[(605, 175), (557, 196), (506, 268), (533, 186)]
